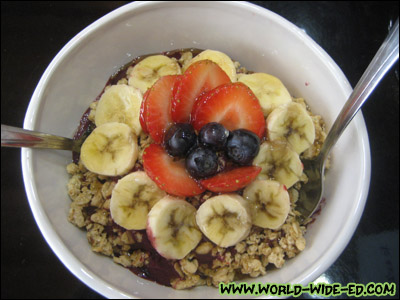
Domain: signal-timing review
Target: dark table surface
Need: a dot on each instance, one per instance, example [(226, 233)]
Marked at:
[(351, 32)]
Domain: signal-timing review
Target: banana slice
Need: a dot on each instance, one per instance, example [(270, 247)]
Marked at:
[(221, 59), (279, 162), (172, 229), (291, 122), (132, 198), (120, 103), (269, 202), (111, 150), (225, 219), (269, 90), (144, 74)]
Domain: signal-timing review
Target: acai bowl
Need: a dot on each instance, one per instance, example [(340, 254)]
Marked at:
[(268, 61)]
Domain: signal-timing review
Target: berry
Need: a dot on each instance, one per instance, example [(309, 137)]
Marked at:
[(214, 135), (233, 105), (242, 146), (201, 76), (179, 138), (169, 175), (231, 181), (202, 162), (143, 112), (157, 109)]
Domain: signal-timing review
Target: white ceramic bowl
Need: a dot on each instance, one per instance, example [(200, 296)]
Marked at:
[(261, 41)]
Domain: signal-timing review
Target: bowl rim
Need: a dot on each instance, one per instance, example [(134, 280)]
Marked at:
[(66, 256)]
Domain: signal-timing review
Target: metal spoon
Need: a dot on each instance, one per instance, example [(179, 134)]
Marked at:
[(18, 137), (311, 193)]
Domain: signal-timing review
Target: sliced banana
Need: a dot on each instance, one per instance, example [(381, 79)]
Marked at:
[(172, 229), (111, 150), (132, 198), (291, 122), (220, 58), (225, 219), (279, 162), (120, 103), (144, 74), (269, 202), (269, 90)]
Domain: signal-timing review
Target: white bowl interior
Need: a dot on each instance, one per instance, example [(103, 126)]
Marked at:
[(261, 41)]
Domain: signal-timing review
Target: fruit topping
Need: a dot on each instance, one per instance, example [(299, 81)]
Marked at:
[(170, 176), (202, 76), (146, 72), (220, 58), (132, 198), (172, 229), (231, 181), (291, 122), (179, 139), (202, 162), (233, 105), (142, 113), (213, 135), (269, 201), (225, 219), (158, 107), (279, 162), (111, 149), (242, 146), (268, 89), (120, 103)]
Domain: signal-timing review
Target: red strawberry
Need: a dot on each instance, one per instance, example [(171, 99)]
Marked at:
[(202, 76), (197, 103), (233, 105), (158, 107), (143, 112), (169, 175), (231, 181)]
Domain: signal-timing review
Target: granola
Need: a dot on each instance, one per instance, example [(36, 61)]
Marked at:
[(263, 247)]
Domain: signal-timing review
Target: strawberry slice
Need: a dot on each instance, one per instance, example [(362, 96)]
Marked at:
[(169, 175), (202, 76), (157, 107), (231, 181), (143, 112), (233, 105)]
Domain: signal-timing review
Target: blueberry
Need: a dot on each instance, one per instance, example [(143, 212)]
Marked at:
[(201, 162), (179, 139), (214, 135), (242, 146)]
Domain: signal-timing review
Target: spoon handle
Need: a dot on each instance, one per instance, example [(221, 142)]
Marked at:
[(386, 56), (18, 137)]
